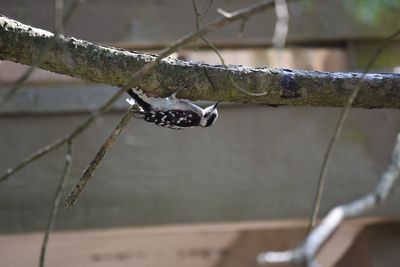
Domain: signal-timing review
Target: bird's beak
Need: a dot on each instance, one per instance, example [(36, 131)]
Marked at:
[(215, 105)]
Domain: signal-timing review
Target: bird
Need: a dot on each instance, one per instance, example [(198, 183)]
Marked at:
[(171, 112)]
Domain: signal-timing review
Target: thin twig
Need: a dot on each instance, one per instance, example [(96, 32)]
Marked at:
[(305, 254), (56, 203), (59, 29), (113, 66), (338, 130), (198, 19), (59, 142), (90, 169), (206, 7), (221, 22), (60, 21), (70, 11), (240, 33), (197, 14), (58, 17), (281, 25), (224, 13), (137, 76), (213, 47)]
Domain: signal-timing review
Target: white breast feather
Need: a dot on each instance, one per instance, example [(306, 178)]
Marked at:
[(174, 103)]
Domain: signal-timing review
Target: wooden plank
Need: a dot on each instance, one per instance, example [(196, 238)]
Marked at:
[(322, 59), (124, 247), (376, 246), (360, 53), (249, 243), (196, 245), (144, 21)]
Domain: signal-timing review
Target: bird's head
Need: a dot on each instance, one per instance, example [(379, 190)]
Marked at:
[(210, 115)]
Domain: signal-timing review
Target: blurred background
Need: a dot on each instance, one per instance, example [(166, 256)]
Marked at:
[(199, 197)]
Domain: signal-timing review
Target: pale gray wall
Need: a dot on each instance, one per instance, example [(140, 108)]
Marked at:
[(256, 163)]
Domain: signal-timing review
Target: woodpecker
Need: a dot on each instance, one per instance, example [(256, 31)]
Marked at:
[(171, 112)]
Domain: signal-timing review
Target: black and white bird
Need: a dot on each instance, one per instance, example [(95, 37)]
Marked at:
[(171, 112)]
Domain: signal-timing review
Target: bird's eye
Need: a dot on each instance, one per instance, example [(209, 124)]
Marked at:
[(211, 120)]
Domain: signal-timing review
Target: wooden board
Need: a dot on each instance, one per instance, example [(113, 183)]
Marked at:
[(160, 22), (199, 245)]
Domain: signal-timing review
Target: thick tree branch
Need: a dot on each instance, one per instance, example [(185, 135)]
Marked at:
[(338, 130), (60, 20), (20, 43), (132, 78)]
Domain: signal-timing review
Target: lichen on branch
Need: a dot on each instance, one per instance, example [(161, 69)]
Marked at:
[(21, 43)]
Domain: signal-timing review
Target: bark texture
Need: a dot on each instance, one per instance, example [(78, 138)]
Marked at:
[(22, 43)]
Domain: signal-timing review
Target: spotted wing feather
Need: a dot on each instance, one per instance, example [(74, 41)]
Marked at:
[(174, 119)]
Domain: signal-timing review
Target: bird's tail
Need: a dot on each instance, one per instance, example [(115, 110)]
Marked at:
[(139, 97)]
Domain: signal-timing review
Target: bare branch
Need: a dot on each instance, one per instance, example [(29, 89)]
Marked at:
[(197, 14), (59, 29), (58, 17), (198, 19), (241, 28), (59, 142), (281, 25), (338, 130), (60, 20), (219, 23), (206, 7), (70, 11), (90, 169), (224, 13), (144, 66), (213, 47), (56, 203), (305, 254), (114, 66)]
